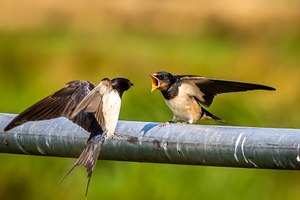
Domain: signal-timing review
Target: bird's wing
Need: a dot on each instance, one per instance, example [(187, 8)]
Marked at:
[(93, 102), (205, 89), (59, 104)]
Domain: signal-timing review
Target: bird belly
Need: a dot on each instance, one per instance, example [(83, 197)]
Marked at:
[(185, 108), (111, 111)]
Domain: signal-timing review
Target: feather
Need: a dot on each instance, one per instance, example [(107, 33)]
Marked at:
[(59, 104), (205, 89)]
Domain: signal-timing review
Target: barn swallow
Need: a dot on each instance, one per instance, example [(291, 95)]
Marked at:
[(186, 94), (96, 109)]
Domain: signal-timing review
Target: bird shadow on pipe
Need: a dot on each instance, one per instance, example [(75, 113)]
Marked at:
[(148, 127)]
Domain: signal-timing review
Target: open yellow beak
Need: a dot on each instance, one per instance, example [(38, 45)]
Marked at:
[(155, 82)]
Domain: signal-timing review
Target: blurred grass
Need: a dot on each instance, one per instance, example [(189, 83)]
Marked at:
[(45, 44)]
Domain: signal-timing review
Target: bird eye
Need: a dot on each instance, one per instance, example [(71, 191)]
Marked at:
[(162, 77)]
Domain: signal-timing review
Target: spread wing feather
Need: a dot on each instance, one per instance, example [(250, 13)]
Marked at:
[(59, 104), (208, 88), (93, 102)]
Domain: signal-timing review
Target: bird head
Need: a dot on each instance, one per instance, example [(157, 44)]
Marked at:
[(121, 84), (162, 81)]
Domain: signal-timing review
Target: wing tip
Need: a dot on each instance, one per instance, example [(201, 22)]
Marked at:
[(7, 128), (10, 126), (272, 89), (264, 87)]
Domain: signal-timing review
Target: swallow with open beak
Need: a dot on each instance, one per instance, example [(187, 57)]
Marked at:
[(186, 94), (96, 109)]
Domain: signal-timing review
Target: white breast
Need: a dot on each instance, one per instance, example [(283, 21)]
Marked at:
[(185, 106), (111, 109)]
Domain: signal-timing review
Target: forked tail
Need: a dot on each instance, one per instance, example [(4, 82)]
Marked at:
[(89, 157), (208, 115)]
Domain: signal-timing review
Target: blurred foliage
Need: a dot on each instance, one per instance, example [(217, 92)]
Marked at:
[(44, 44)]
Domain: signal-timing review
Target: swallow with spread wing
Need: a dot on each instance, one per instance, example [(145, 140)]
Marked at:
[(96, 109), (184, 94)]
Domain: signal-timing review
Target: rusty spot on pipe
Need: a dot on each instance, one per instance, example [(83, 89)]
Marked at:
[(132, 139), (156, 143), (5, 141)]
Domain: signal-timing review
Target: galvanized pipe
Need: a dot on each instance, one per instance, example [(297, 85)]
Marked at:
[(227, 146)]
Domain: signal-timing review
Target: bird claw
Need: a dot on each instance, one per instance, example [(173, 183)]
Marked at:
[(172, 122), (183, 123), (120, 135), (166, 124)]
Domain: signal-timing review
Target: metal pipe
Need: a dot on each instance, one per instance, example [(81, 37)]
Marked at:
[(227, 146)]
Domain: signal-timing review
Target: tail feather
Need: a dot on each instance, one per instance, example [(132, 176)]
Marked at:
[(208, 115), (89, 157)]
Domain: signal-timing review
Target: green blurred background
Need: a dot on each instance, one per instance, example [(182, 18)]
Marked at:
[(44, 44)]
